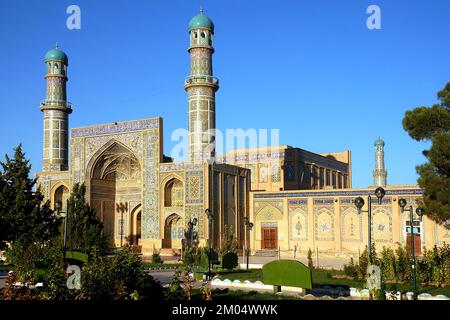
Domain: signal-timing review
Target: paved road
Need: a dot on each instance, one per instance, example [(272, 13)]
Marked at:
[(2, 281), (164, 277)]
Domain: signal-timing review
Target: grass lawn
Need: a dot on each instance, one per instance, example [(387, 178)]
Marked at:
[(322, 277)]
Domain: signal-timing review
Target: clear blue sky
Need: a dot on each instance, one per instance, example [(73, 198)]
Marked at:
[(310, 68)]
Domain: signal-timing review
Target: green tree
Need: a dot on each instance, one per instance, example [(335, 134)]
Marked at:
[(433, 124), (229, 241), (23, 215), (27, 223), (84, 228), (350, 269), (387, 264), (403, 264), (363, 263)]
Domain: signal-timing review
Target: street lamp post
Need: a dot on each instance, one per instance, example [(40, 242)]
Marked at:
[(210, 216), (191, 224), (420, 212), (58, 207), (249, 226), (359, 203)]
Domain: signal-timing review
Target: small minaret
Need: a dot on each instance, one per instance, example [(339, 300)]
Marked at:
[(379, 173), (201, 87), (56, 111)]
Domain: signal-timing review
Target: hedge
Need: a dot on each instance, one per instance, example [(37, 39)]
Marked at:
[(290, 273)]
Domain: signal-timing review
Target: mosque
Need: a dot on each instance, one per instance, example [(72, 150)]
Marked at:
[(295, 199)]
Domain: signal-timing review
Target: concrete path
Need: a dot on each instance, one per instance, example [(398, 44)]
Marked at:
[(163, 276), (2, 281)]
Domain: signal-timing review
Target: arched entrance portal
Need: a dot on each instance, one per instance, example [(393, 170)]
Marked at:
[(135, 226), (173, 230), (173, 207), (61, 194), (115, 178)]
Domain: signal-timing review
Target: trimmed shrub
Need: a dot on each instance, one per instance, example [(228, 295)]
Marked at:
[(156, 257), (350, 269), (310, 261), (229, 241), (175, 290), (402, 265), (120, 277), (387, 264), (363, 264), (230, 260), (77, 256), (201, 263), (287, 273)]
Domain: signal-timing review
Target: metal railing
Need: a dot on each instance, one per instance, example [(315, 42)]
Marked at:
[(56, 103), (194, 79)]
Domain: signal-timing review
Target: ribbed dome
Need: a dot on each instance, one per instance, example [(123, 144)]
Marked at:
[(201, 21), (56, 54), (379, 142)]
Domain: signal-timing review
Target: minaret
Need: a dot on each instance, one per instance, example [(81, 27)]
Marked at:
[(56, 111), (379, 173), (201, 87)]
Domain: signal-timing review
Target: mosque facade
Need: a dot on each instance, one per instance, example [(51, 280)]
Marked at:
[(296, 199)]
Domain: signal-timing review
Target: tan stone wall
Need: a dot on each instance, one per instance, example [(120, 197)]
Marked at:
[(285, 168), (329, 222)]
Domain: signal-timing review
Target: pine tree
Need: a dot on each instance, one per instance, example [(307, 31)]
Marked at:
[(23, 217), (84, 228), (433, 124)]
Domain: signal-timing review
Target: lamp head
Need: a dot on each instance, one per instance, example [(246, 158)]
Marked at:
[(209, 214), (420, 212), (380, 192), (194, 221), (402, 203), (250, 226), (359, 203)]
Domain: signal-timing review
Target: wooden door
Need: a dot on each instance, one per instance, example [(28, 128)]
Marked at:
[(417, 244), (269, 238)]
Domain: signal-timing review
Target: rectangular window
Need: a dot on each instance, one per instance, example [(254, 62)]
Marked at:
[(321, 180)]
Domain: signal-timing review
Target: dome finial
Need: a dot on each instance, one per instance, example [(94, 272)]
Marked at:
[(379, 142), (201, 10), (56, 45)]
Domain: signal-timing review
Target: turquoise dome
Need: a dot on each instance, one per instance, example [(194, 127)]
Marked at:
[(56, 54), (201, 21), (379, 142)]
